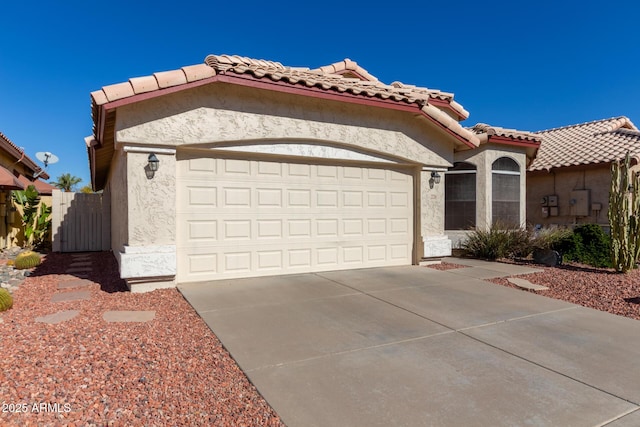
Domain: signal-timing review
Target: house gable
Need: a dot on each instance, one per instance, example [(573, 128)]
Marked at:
[(258, 74)]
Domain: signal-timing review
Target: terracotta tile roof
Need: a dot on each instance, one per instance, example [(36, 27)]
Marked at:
[(347, 68), (498, 135), (328, 78), (600, 141), (344, 79), (334, 77), (484, 129), (19, 155)]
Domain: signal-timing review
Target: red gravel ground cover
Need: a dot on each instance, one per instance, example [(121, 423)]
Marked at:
[(168, 371), (598, 288)]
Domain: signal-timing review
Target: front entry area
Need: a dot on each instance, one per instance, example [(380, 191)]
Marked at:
[(244, 217)]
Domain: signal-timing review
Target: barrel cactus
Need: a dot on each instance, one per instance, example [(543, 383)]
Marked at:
[(6, 300), (26, 259)]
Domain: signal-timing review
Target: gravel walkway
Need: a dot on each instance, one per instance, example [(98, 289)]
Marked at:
[(169, 370)]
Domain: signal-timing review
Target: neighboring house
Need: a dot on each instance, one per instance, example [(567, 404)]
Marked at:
[(17, 171), (265, 169), (569, 181)]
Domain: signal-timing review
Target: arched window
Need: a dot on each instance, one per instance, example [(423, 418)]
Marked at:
[(506, 191), (460, 197)]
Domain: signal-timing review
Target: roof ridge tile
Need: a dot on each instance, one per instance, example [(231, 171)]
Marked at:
[(593, 122)]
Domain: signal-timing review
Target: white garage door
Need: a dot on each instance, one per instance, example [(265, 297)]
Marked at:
[(243, 218)]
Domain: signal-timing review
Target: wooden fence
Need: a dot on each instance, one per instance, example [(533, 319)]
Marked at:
[(80, 222)]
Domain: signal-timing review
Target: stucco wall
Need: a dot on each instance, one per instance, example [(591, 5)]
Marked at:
[(226, 113), (432, 198), (116, 191), (151, 201), (596, 179)]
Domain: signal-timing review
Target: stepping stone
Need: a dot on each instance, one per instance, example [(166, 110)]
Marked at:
[(60, 316), (71, 296), (525, 284), (75, 283), (80, 264), (129, 316)]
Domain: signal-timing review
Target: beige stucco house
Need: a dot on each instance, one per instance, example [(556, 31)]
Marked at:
[(264, 169), (17, 172), (569, 181)]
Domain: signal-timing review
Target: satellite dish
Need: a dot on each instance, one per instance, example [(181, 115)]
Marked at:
[(46, 158)]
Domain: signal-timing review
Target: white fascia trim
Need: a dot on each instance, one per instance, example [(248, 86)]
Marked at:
[(148, 261), (135, 149)]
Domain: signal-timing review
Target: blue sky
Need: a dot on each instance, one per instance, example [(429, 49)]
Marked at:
[(528, 66)]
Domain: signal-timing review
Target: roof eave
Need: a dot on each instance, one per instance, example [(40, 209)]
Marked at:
[(101, 110)]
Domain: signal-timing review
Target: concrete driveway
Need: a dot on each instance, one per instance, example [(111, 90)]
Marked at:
[(413, 346)]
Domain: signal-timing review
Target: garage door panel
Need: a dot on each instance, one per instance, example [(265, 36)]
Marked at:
[(243, 218), (298, 170), (270, 229), (270, 169), (269, 197)]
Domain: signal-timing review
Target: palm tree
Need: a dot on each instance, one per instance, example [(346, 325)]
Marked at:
[(66, 182)]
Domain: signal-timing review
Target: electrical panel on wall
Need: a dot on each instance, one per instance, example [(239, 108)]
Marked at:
[(579, 203), (549, 206)]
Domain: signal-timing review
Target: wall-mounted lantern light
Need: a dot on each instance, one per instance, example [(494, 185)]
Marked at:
[(152, 166), (435, 177), (153, 162)]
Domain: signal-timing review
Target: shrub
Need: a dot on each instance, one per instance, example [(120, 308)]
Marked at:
[(6, 300), (549, 238), (499, 241), (588, 244), (26, 259)]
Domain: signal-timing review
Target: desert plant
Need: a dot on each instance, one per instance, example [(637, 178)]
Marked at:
[(549, 238), (546, 242), (588, 244), (499, 241), (35, 218), (624, 216), (6, 300), (26, 259)]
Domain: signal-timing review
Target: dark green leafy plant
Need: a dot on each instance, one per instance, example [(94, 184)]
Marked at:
[(35, 218), (588, 244)]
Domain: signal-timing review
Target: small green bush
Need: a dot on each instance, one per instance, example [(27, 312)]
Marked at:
[(26, 259), (6, 300), (500, 241), (588, 244)]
